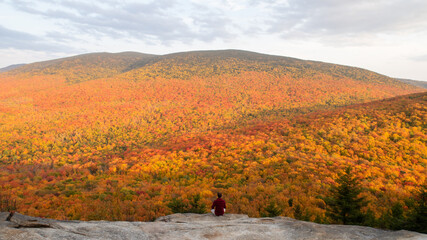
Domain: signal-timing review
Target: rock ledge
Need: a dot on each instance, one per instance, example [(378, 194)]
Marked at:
[(189, 226)]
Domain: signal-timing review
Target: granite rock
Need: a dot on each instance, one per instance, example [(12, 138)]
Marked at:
[(189, 226)]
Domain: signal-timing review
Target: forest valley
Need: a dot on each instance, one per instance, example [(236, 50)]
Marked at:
[(276, 136)]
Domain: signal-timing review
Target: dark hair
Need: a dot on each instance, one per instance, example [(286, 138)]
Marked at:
[(219, 194)]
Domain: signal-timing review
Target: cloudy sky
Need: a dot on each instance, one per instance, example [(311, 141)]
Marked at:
[(386, 36)]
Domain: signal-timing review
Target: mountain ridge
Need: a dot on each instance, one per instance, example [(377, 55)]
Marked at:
[(418, 83), (129, 61), (11, 67), (137, 60)]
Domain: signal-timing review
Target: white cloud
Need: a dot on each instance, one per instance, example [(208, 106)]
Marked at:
[(340, 31), (166, 21), (160, 20), (21, 40), (343, 19), (419, 58)]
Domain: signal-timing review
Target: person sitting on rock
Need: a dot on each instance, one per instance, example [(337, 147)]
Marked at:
[(218, 206)]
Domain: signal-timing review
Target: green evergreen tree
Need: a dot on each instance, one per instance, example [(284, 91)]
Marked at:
[(397, 218), (177, 205), (370, 219), (196, 204), (298, 212), (318, 219), (393, 218), (301, 214), (417, 220), (290, 202), (345, 204), (6, 203), (272, 210)]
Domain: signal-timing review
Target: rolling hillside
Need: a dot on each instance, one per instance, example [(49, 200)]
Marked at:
[(218, 88), (95, 136), (11, 67), (421, 84), (186, 65), (107, 173), (82, 68)]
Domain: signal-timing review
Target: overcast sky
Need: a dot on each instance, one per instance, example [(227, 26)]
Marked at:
[(385, 36)]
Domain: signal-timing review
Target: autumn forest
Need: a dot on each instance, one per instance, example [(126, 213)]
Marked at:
[(133, 136)]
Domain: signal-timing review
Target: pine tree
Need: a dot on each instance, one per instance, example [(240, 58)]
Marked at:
[(177, 205), (193, 204), (393, 218), (418, 218), (197, 206), (345, 204), (6, 203), (298, 212), (272, 210)]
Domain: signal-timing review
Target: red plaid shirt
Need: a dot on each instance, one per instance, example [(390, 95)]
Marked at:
[(219, 206)]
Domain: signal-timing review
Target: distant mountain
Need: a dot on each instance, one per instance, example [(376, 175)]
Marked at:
[(84, 67), (11, 67), (186, 65), (422, 84), (252, 85), (233, 62)]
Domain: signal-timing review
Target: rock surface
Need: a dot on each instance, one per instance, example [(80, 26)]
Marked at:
[(189, 226)]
